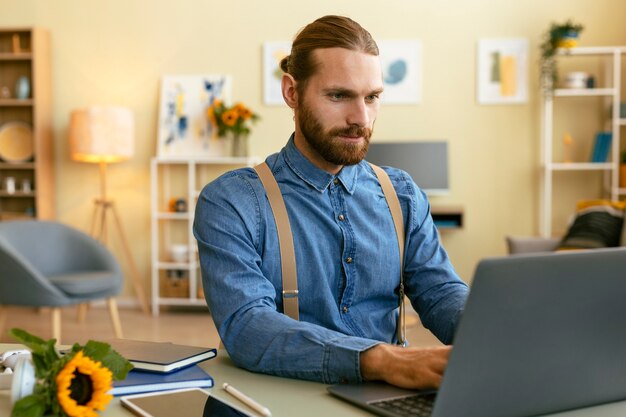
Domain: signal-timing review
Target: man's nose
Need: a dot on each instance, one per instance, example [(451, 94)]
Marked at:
[(359, 114)]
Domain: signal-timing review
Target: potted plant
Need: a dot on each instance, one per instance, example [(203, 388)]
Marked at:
[(558, 36), (233, 121)]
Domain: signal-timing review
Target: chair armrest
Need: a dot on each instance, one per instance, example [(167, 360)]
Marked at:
[(517, 244)]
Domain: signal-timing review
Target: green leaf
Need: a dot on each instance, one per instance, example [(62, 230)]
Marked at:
[(33, 342), (29, 406), (116, 363)]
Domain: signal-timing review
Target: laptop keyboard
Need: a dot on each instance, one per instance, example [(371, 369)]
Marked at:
[(420, 405)]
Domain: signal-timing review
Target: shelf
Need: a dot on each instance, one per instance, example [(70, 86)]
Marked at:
[(16, 166), (185, 266), (584, 92), (180, 178), (214, 160), (447, 217), (17, 194), (591, 50), (173, 216), (554, 195), (580, 166), (10, 215), (16, 102), (181, 301), (11, 56)]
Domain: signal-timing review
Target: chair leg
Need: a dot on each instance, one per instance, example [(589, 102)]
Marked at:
[(81, 313), (115, 318), (4, 311), (56, 324)]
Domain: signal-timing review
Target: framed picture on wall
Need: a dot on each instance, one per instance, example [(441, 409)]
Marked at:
[(502, 71), (273, 53), (401, 62), (184, 129)]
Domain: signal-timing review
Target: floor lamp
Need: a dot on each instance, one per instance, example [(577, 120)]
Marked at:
[(105, 135)]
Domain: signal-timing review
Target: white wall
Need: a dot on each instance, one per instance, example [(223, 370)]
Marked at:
[(114, 51)]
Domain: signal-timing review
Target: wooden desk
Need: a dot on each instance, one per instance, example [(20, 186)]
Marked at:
[(290, 397)]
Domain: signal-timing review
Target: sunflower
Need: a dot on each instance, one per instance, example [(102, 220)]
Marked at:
[(82, 386)]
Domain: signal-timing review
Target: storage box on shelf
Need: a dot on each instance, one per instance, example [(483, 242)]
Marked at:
[(600, 101), (176, 184), (26, 153)]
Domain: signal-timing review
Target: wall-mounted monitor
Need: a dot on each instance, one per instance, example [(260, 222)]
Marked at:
[(426, 162)]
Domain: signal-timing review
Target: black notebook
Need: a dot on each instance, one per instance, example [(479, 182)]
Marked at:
[(161, 357)]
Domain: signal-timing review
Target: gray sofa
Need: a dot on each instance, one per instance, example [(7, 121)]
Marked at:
[(525, 244)]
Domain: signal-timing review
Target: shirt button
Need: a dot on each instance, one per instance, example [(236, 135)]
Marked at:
[(341, 217), (349, 260), (336, 181), (345, 309)]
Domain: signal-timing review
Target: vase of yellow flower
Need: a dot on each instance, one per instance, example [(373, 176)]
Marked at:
[(73, 384), (232, 121)]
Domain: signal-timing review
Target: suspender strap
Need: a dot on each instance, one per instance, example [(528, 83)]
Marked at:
[(398, 221), (285, 240)]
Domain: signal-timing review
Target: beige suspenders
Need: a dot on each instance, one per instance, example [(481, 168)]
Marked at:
[(398, 222), (285, 240)]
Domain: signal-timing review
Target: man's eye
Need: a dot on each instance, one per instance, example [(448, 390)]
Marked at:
[(372, 98), (337, 96)]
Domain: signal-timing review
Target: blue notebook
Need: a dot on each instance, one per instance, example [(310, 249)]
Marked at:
[(140, 381)]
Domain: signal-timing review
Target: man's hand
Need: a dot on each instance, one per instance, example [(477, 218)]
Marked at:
[(418, 367)]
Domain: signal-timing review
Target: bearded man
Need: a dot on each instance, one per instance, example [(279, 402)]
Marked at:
[(350, 274)]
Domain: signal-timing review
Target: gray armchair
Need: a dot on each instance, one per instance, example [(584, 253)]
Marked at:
[(48, 264), (517, 244)]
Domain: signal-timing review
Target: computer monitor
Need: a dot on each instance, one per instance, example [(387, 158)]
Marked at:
[(425, 161)]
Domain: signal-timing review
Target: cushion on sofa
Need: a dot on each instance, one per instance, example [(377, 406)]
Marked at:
[(597, 224)]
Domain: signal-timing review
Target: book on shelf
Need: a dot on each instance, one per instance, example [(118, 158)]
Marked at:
[(160, 357), (601, 147), (138, 381)]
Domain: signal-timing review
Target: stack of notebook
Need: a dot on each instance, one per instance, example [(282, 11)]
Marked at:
[(160, 366)]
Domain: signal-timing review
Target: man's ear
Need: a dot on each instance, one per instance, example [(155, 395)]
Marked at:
[(288, 86)]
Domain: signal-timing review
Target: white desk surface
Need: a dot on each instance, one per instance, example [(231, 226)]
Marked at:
[(289, 397)]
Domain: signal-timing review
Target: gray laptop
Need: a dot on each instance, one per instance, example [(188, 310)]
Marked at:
[(540, 333)]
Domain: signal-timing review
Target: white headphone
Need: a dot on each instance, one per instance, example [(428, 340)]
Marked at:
[(19, 373), (9, 358)]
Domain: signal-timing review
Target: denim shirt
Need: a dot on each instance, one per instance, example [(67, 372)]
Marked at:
[(347, 264)]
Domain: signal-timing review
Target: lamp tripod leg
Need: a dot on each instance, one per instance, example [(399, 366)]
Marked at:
[(135, 272)]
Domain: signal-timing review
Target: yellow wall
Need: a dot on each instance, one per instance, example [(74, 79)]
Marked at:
[(114, 51)]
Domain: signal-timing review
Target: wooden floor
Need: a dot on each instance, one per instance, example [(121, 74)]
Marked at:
[(192, 327)]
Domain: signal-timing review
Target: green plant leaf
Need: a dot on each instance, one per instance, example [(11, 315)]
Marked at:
[(116, 363), (29, 406), (31, 341)]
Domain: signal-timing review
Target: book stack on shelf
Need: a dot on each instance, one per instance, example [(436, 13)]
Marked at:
[(160, 366), (601, 147)]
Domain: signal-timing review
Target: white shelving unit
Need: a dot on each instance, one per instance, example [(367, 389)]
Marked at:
[(178, 283), (611, 91)]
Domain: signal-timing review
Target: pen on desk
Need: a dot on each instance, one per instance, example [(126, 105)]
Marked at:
[(264, 411)]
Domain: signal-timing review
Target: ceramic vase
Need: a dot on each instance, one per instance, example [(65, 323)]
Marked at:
[(22, 88), (240, 145)]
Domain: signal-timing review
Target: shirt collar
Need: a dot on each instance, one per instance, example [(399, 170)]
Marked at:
[(314, 176)]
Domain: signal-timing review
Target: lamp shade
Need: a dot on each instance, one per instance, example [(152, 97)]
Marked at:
[(102, 134)]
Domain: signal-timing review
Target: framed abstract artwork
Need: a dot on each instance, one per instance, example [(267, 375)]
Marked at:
[(502, 71), (184, 129), (401, 62), (273, 53)]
